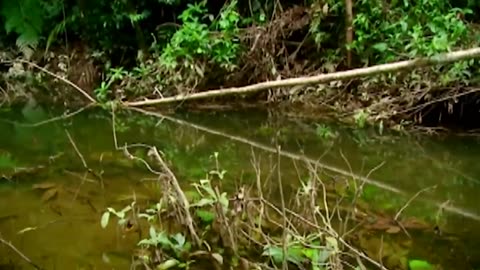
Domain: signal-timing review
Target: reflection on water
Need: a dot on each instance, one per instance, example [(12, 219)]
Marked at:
[(51, 211)]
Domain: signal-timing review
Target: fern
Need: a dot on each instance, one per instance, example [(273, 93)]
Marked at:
[(25, 18)]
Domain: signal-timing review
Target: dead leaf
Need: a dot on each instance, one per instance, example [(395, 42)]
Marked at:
[(45, 185), (49, 194), (413, 223), (393, 230)]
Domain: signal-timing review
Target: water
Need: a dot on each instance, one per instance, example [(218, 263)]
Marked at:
[(51, 211)]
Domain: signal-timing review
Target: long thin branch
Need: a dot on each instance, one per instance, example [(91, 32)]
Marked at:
[(322, 78), (411, 200), (83, 92), (62, 117)]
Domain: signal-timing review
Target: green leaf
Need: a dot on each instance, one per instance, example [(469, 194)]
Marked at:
[(382, 46), (179, 238), (419, 265), (105, 219), (152, 232), (205, 216)]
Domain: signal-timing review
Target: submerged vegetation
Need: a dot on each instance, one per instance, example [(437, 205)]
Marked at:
[(129, 50)]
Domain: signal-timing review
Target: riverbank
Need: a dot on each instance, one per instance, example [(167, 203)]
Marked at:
[(234, 48)]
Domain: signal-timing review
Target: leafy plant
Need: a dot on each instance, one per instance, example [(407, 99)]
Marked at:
[(114, 75), (25, 18), (305, 251), (196, 41), (324, 131), (121, 215)]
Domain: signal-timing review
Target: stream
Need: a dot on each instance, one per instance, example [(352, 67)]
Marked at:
[(50, 206)]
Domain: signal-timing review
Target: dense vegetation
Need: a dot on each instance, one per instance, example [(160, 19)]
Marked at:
[(128, 49)]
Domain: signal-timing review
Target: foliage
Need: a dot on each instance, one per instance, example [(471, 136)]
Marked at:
[(195, 40), (27, 18), (307, 250)]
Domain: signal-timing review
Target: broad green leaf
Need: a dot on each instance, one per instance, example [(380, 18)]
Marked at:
[(382, 46), (420, 265), (205, 216)]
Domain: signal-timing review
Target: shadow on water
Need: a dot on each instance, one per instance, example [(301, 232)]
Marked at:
[(50, 207)]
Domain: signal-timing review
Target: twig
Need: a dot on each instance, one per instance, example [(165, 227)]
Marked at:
[(180, 194), (25, 258), (411, 200), (54, 119), (83, 92), (284, 215), (84, 163), (76, 150), (421, 106)]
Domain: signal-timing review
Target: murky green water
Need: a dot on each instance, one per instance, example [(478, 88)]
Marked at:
[(51, 211)]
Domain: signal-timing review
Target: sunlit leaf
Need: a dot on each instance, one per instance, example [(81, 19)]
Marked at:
[(218, 258), (168, 264), (224, 200), (153, 233), (332, 242), (420, 265), (382, 46), (393, 230), (179, 238), (105, 219)]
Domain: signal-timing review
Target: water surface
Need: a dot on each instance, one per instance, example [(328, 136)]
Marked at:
[(51, 210)]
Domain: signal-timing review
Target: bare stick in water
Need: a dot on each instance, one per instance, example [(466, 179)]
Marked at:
[(180, 194), (25, 258)]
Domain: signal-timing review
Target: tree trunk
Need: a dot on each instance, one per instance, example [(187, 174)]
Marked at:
[(349, 30)]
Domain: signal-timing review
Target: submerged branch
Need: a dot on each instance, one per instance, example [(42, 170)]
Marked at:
[(322, 78), (25, 258), (304, 158)]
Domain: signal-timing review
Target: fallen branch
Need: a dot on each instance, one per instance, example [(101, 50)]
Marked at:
[(322, 78)]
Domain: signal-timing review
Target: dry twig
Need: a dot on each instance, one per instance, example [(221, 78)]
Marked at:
[(183, 199)]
